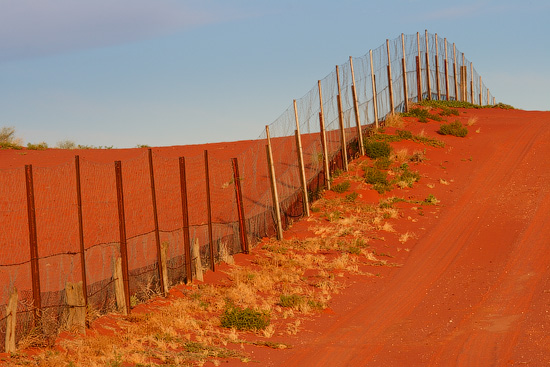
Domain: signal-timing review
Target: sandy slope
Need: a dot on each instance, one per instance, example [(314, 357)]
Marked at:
[(475, 290)]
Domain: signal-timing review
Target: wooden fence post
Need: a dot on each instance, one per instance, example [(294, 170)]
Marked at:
[(437, 81), (196, 255), (428, 81), (274, 193), (35, 272), (185, 219), (419, 68), (455, 73), (11, 322), (356, 109), (77, 307), (472, 82), (374, 98), (81, 229), (418, 80), (343, 144), (209, 211), (405, 82), (323, 138), (161, 270), (240, 206), (163, 266), (301, 162), (122, 302), (446, 72), (480, 92), (390, 79), (123, 243)]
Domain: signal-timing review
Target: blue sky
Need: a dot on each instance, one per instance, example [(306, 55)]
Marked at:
[(176, 72)]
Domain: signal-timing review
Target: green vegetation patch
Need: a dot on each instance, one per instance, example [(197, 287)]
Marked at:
[(453, 128), (377, 149), (341, 187), (244, 319), (421, 114)]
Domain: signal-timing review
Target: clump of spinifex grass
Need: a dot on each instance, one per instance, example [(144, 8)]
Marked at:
[(454, 128)]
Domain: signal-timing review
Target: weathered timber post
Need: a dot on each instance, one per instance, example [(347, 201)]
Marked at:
[(428, 79), (405, 82), (374, 98), (274, 193), (185, 219), (77, 307), (455, 73), (301, 162), (390, 79), (209, 211), (11, 322), (437, 81), (323, 138), (341, 119), (446, 72), (356, 109)]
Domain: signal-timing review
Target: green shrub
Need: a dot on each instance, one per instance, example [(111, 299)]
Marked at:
[(503, 106), (378, 179), (421, 114), (341, 187), (382, 163), (8, 139), (377, 149), (38, 146), (445, 111), (244, 319), (350, 198), (454, 128), (404, 134), (431, 200)]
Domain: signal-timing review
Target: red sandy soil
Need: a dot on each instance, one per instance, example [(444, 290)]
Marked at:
[(474, 287)]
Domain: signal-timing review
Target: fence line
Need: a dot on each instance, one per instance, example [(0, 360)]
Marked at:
[(134, 225)]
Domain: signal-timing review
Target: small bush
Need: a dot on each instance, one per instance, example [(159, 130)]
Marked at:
[(38, 146), (377, 149), (65, 144), (454, 128), (244, 319), (290, 300), (8, 139), (445, 111), (503, 106), (431, 200), (350, 198), (382, 163), (404, 134), (374, 176), (341, 187), (421, 114)]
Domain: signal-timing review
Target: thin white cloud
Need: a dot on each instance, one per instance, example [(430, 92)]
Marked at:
[(39, 27)]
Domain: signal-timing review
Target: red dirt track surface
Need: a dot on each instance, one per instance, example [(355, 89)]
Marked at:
[(475, 289)]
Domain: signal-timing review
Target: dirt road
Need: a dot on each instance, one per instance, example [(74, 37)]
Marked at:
[(475, 290)]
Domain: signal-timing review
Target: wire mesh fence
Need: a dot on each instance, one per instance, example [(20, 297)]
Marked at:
[(73, 229)]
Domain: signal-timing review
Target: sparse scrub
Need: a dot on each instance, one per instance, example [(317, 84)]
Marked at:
[(38, 146), (65, 144), (394, 120), (421, 114), (350, 198), (377, 149), (341, 187), (453, 128), (431, 200), (382, 163), (290, 300), (244, 319)]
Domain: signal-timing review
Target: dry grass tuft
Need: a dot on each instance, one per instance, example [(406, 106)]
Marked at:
[(394, 120), (471, 121)]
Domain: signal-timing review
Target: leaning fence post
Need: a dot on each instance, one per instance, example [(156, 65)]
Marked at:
[(404, 66), (446, 72), (375, 103), (122, 233), (163, 283), (209, 210), (428, 81), (35, 272), (301, 162), (11, 322), (356, 109), (343, 143), (81, 229), (323, 138), (185, 219), (390, 79), (437, 69), (240, 205), (274, 193)]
